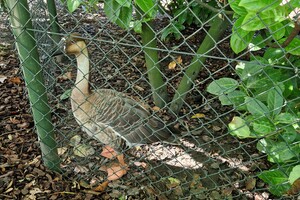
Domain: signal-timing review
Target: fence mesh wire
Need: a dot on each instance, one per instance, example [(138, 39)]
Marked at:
[(209, 162)]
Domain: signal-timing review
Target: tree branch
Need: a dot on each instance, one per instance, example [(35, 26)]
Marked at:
[(288, 40)]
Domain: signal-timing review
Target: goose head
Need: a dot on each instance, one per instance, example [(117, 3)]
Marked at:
[(72, 44)]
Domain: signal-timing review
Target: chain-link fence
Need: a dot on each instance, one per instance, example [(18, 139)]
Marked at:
[(166, 100)]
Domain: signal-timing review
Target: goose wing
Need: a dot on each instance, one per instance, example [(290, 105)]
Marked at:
[(129, 119)]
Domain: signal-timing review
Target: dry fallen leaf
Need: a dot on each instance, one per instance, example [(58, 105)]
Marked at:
[(83, 150), (62, 150), (216, 128), (295, 189), (139, 88), (108, 152), (172, 65), (84, 184), (198, 115), (65, 76), (14, 120), (15, 80), (2, 78), (250, 184), (116, 171), (138, 164), (23, 125), (101, 187), (155, 108), (227, 191), (179, 60), (81, 169), (196, 183)]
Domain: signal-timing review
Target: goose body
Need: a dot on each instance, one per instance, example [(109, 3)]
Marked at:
[(109, 116)]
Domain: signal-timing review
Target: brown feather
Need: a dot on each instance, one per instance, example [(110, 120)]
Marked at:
[(109, 116)]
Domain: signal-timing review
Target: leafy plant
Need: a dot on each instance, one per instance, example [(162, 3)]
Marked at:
[(185, 13), (267, 93), (273, 19), (266, 97)]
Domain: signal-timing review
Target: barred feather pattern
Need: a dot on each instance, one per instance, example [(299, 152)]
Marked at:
[(113, 118), (109, 116)]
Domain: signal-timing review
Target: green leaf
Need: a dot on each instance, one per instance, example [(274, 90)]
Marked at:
[(182, 18), (294, 47), (235, 98), (137, 26), (274, 56), (286, 118), (73, 5), (125, 17), (250, 69), (239, 128), (172, 29), (290, 87), (240, 38), (277, 31), (283, 152), (277, 180), (274, 176), (295, 174), (263, 126), (196, 11), (289, 135), (119, 14), (65, 95), (234, 4), (125, 3), (222, 85), (275, 100), (294, 3), (264, 145), (257, 43), (112, 10), (147, 6), (255, 21), (256, 5), (256, 107), (264, 79)]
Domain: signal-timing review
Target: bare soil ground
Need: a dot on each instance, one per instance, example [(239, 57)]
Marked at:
[(210, 163)]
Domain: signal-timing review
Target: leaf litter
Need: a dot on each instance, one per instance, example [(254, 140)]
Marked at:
[(23, 175)]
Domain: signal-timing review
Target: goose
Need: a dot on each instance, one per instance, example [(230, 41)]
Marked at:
[(109, 116)]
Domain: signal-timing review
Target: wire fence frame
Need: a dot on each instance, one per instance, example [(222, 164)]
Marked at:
[(127, 47)]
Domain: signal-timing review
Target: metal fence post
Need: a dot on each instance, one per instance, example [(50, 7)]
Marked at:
[(22, 28)]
